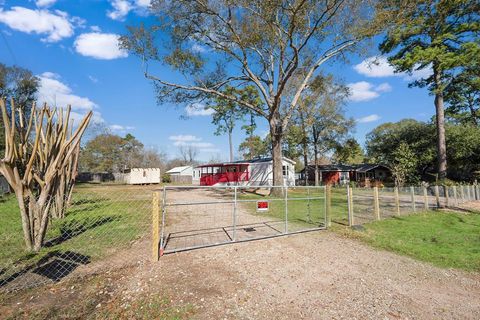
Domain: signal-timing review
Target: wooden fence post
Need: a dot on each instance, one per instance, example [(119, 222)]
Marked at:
[(447, 201), (412, 194), (350, 206), (425, 197), (437, 196), (328, 204), (376, 203), (397, 201), (455, 195), (462, 193), (155, 226)]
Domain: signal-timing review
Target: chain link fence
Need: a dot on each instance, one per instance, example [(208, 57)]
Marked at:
[(100, 221)]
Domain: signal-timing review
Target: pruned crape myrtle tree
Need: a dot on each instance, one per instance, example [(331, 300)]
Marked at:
[(39, 150), (260, 43)]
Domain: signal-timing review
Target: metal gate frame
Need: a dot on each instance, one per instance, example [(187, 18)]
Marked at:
[(160, 235)]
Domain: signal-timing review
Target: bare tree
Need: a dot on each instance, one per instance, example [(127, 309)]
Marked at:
[(250, 42), (37, 155), (188, 154)]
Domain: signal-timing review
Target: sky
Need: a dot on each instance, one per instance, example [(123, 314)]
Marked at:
[(72, 47)]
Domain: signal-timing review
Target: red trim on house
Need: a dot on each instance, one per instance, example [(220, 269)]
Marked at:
[(223, 173)]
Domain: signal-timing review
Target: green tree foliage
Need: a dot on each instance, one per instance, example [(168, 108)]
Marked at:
[(464, 158), (112, 153), (436, 34), (228, 113), (463, 97), (403, 164), (322, 118), (263, 44), (254, 147), (20, 85), (349, 152)]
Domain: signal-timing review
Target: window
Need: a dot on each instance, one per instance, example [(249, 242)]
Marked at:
[(285, 171)]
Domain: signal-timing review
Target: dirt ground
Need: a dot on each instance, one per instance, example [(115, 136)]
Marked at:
[(315, 275)]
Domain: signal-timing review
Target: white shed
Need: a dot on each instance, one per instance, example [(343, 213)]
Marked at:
[(143, 176)]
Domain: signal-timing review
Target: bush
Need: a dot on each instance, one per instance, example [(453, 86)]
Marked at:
[(166, 178)]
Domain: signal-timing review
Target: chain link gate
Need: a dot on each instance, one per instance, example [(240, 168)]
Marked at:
[(197, 217)]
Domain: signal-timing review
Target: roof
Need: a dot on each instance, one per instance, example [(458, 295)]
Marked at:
[(364, 167), (178, 169), (240, 162)]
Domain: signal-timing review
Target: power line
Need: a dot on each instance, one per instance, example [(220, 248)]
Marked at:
[(9, 48)]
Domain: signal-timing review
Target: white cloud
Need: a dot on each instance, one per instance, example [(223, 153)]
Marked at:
[(375, 67), (95, 28), (370, 118), (120, 9), (184, 138), (56, 93), (379, 67), (188, 140), (143, 3), (198, 109), (54, 25), (383, 87), (99, 46), (365, 91), (93, 79), (117, 127), (198, 48), (44, 3)]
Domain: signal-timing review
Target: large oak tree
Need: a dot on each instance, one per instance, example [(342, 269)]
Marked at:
[(262, 43)]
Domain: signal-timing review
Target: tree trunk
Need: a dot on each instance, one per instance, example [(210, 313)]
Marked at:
[(230, 144), (276, 136), (440, 117), (315, 151), (305, 161)]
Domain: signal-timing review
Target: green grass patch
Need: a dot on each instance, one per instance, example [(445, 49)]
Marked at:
[(98, 222), (445, 239), (305, 206)]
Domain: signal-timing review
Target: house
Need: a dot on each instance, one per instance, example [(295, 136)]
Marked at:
[(363, 174), (255, 172), (182, 174), (142, 176)]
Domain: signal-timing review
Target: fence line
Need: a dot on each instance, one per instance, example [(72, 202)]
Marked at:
[(115, 226), (365, 205)]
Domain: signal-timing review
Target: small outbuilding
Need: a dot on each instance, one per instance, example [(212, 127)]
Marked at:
[(181, 174), (255, 172), (143, 176)]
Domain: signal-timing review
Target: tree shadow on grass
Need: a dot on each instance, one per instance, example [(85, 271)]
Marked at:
[(54, 266), (73, 228)]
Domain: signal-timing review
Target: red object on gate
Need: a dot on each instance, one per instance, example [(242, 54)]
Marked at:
[(262, 205)]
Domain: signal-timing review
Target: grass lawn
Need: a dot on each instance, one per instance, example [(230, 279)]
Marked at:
[(444, 239), (302, 212), (100, 220)]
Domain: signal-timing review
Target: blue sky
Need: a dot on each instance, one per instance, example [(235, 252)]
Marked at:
[(71, 46)]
